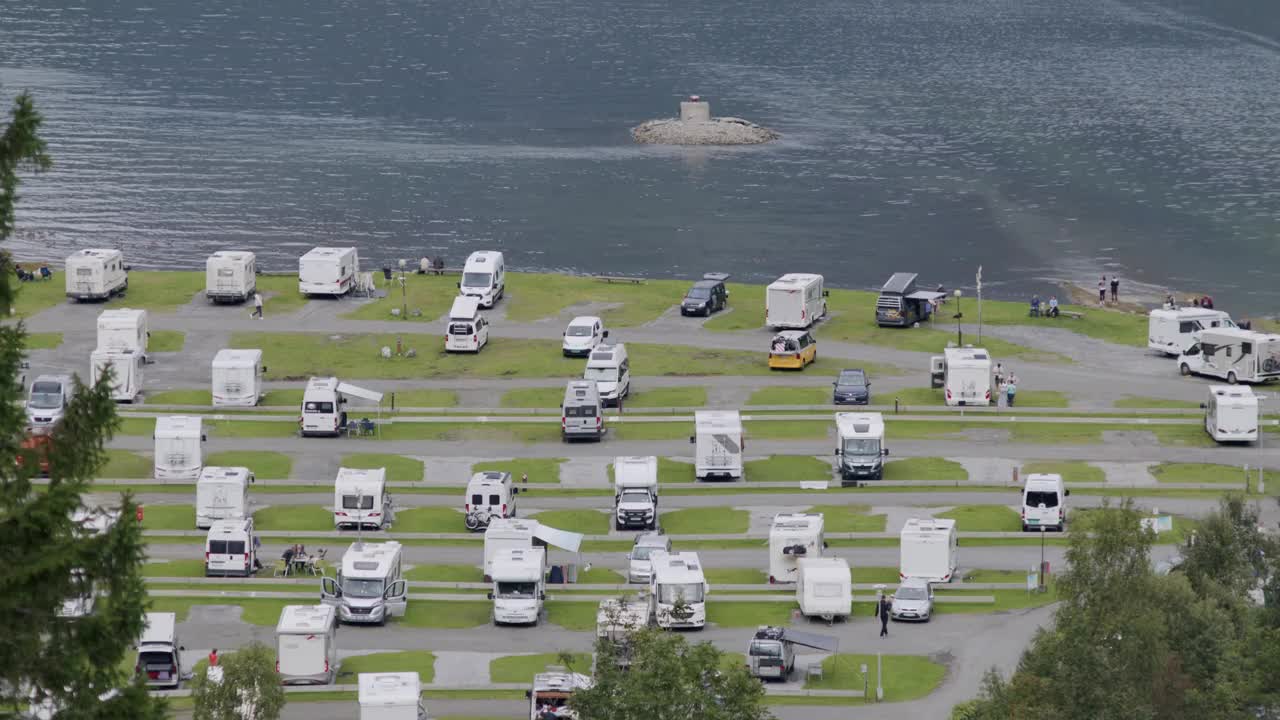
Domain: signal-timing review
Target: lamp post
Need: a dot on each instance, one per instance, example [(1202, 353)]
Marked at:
[(1043, 580), (958, 315), (1262, 433), (404, 295)]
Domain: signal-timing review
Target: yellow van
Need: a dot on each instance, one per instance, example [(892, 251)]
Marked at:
[(792, 349)]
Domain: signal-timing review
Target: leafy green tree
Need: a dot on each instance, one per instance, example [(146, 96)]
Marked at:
[(248, 689)]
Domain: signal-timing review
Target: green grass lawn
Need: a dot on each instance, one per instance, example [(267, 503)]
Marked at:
[(430, 295), (539, 470), (685, 397), (924, 468), (849, 518), (181, 397), (735, 576), (256, 611), (419, 661), (587, 522), (42, 340), (266, 465), (166, 341), (32, 297), (399, 468), (1202, 473), (154, 290), (748, 614), (983, 518), (934, 397), (787, 468), (522, 668), (1070, 470), (995, 576), (905, 677), (445, 573), (886, 575), (599, 576), (295, 517), (1082, 519), (429, 520), (174, 568), (788, 429), (169, 517), (1144, 402), (790, 396), (125, 465), (421, 398), (449, 615), (228, 428), (702, 521), (534, 296), (572, 615), (280, 294)]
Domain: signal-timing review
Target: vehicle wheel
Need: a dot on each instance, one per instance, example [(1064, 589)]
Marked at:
[(1185, 369), (1024, 527), (1231, 378), (617, 525)]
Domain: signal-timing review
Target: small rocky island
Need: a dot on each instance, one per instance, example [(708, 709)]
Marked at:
[(695, 126)]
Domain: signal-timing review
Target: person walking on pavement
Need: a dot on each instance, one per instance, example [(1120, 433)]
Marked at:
[(257, 305), (1115, 288), (1011, 390), (999, 374), (882, 609)]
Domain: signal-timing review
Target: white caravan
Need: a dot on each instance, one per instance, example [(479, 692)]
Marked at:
[(860, 446), (1233, 355), (391, 696), (322, 412), (466, 330), (1172, 332), (178, 451), (237, 378), (307, 645), (718, 444), (610, 368), (123, 329), (966, 375), (484, 277), (370, 587), (795, 300), (160, 652), (47, 401), (635, 492), (1231, 413), (360, 499), (96, 274), (230, 276), (1044, 502), (328, 271), (519, 588), (551, 692), (792, 538), (928, 549), (127, 366), (824, 588), (678, 579), (229, 548), (222, 493)]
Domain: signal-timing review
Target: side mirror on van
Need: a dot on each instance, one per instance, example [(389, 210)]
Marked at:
[(826, 293), (837, 452), (342, 401), (886, 452), (693, 439), (204, 438), (264, 369), (459, 286), (1066, 493), (1203, 406), (490, 596), (515, 491), (605, 334)]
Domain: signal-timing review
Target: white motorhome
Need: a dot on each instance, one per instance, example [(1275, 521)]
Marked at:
[(391, 696), (361, 500), (127, 366), (160, 652), (860, 446), (551, 692), (222, 493), (1173, 332), (678, 579), (47, 401), (370, 587), (795, 300), (484, 277), (123, 329), (1233, 355), (307, 645), (490, 494), (718, 444), (229, 548), (824, 588), (792, 538), (237, 378), (1231, 413), (928, 549), (519, 585), (616, 620), (231, 276), (96, 274), (328, 271), (1044, 502), (965, 374), (322, 411), (178, 451), (507, 534), (610, 368), (635, 492), (466, 330)]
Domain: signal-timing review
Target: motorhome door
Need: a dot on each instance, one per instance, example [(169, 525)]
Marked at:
[(330, 593), (397, 598)]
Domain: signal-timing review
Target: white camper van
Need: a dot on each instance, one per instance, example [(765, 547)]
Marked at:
[(1231, 413), (824, 587), (127, 366), (551, 692), (507, 534), (96, 274), (391, 696), (237, 378), (307, 645), (47, 401), (795, 300), (928, 549), (466, 330), (792, 538), (718, 443), (230, 276), (328, 271), (678, 578), (490, 494), (178, 451), (966, 375), (1172, 332), (635, 492), (89, 523), (159, 652), (484, 277), (229, 548), (123, 329), (370, 587), (582, 411), (1233, 355), (860, 448), (1044, 502), (322, 411), (360, 499), (519, 585), (222, 493), (610, 368)]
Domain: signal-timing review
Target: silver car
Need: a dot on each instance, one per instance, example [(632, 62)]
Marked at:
[(913, 601)]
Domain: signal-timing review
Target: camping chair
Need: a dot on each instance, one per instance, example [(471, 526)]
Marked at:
[(45, 273), (281, 568), (367, 427), (313, 562)]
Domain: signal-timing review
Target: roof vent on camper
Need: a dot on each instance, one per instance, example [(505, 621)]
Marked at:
[(364, 565), (602, 356), (979, 356), (492, 475), (861, 428)]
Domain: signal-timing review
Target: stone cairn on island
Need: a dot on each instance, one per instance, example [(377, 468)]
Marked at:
[(695, 126)]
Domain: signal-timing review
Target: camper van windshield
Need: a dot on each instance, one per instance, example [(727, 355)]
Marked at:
[(601, 374), (318, 407), (517, 589), (861, 446), (669, 593), (361, 588), (476, 279), (1036, 498), (45, 395), (357, 502)]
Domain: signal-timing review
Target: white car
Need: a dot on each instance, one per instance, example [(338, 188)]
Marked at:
[(583, 335), (912, 601)]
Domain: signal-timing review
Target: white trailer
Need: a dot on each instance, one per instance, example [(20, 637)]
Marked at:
[(928, 549), (1231, 413), (391, 696), (1233, 355), (360, 499), (231, 276), (307, 644), (222, 493), (966, 375), (123, 329), (96, 274), (126, 366), (824, 588), (328, 271), (519, 585), (178, 453), (795, 300), (718, 442), (1172, 332), (678, 580), (792, 538), (860, 449), (237, 378)]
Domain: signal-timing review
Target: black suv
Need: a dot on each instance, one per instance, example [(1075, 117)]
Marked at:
[(852, 388), (707, 295)]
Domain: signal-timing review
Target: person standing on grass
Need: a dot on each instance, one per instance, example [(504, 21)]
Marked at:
[(257, 305), (999, 374), (1102, 290), (213, 657), (1115, 288)]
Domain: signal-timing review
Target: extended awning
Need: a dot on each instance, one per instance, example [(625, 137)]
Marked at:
[(926, 295), (562, 539), (354, 391), (826, 643)]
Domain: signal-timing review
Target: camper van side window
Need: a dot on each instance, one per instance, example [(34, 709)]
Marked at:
[(1228, 351), (218, 547), (477, 499), (495, 499), (318, 407), (1187, 326), (357, 502), (1246, 348), (235, 547)]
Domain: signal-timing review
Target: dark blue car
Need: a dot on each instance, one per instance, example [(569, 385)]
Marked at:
[(852, 388)]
